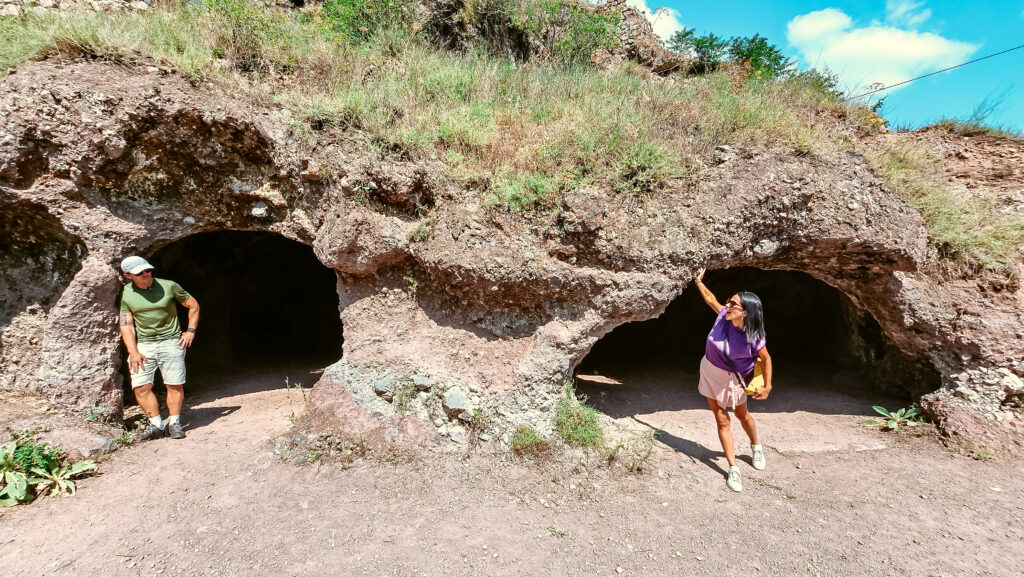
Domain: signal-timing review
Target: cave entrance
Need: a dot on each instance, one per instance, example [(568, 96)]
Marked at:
[(269, 309), (830, 357)]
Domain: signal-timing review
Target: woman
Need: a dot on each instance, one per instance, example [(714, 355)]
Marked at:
[(735, 343)]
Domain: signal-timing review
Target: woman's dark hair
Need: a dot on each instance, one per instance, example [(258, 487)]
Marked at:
[(753, 324)]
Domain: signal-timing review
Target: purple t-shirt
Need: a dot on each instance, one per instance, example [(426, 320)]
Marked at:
[(727, 347)]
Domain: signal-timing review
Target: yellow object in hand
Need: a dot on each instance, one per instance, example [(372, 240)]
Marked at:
[(757, 381)]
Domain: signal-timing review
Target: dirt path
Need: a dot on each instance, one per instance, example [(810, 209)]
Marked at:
[(836, 499)]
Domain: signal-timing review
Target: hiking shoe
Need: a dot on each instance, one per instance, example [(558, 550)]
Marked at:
[(734, 481), (759, 462), (174, 431), (151, 432)]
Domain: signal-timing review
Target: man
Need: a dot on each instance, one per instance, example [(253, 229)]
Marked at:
[(154, 339)]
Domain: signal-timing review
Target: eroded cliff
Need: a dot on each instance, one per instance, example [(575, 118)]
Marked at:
[(453, 310)]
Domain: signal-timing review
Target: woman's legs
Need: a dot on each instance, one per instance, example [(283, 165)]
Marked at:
[(747, 420), (724, 431)]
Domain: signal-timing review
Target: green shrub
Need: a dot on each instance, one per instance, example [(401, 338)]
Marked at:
[(583, 33), (527, 440), (824, 82), (359, 20), (680, 40), (29, 454), (247, 35), (29, 468), (905, 417), (710, 52), (643, 166), (58, 481), (563, 31), (764, 59), (575, 422), (527, 191)]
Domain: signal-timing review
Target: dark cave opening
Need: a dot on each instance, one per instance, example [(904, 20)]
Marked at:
[(267, 305), (817, 336)]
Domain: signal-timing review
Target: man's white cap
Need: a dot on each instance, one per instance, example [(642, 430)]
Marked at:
[(135, 265)]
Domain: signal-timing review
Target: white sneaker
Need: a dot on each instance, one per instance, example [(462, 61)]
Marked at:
[(759, 461), (734, 481)]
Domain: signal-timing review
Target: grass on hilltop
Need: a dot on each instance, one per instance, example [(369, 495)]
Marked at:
[(533, 129), (973, 233), (539, 127)]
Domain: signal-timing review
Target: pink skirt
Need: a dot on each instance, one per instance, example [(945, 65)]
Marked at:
[(720, 385)]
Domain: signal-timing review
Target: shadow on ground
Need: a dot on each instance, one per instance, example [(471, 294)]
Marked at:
[(629, 391), (206, 388)]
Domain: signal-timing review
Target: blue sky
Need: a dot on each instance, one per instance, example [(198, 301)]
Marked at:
[(885, 41)]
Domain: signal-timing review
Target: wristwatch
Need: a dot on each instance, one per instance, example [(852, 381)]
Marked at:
[(190, 330)]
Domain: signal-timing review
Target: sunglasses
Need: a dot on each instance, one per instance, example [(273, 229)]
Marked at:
[(734, 304)]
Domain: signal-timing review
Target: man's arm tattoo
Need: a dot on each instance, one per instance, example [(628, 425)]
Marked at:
[(126, 319)]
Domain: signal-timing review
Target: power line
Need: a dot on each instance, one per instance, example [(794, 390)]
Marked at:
[(933, 73)]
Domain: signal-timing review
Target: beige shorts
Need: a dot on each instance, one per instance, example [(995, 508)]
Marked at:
[(168, 356), (720, 385)]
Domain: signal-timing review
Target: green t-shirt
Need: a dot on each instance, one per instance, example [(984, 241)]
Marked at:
[(156, 316)]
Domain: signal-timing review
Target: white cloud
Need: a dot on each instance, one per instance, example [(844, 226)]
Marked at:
[(875, 53), (665, 21), (906, 13), (811, 31)]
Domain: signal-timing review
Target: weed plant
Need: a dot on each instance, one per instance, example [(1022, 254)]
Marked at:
[(636, 448), (906, 417), (980, 122), (29, 469), (527, 441), (971, 127), (577, 423), (420, 233), (97, 415), (403, 396)]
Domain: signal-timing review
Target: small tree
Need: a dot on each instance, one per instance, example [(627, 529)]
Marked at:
[(763, 57), (710, 51), (680, 40)]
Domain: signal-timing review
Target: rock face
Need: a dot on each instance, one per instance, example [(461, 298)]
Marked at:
[(462, 310), (16, 7), (637, 39)]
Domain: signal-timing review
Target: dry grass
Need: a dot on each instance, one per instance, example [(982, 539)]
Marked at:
[(531, 129), (490, 115), (972, 127), (969, 232)]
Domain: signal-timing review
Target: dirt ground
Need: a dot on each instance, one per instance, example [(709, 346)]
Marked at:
[(836, 499)]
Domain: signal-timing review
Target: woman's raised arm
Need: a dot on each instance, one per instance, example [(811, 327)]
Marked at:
[(709, 297)]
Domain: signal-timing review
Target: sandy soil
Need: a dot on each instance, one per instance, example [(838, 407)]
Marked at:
[(836, 499)]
